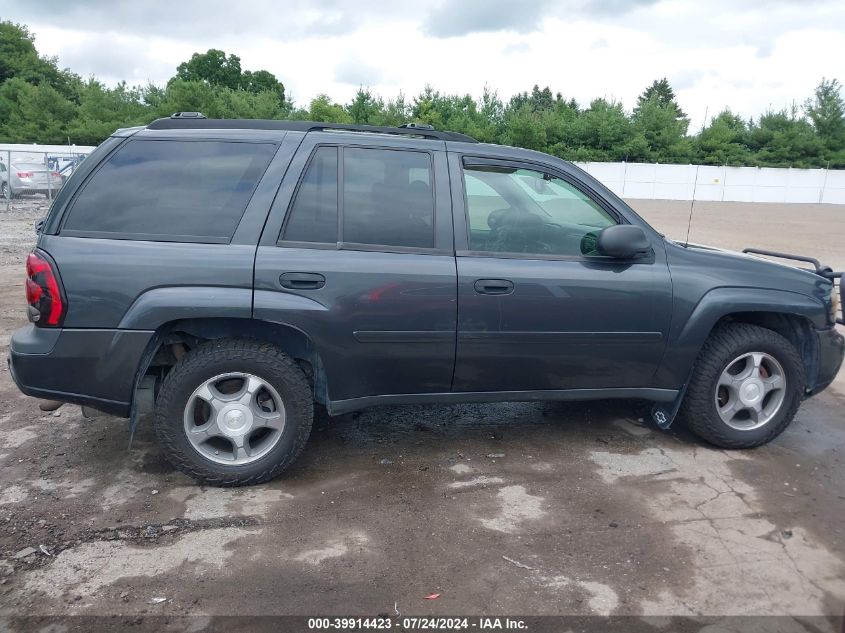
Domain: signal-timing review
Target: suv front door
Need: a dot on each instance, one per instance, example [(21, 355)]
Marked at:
[(538, 308), (357, 254)]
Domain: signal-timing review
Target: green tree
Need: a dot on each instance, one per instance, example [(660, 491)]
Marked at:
[(524, 128), (724, 141), (102, 110), (33, 113), (20, 59), (602, 132), (827, 112), (263, 81), (784, 139), (323, 109), (217, 102), (396, 111), (213, 67), (663, 126), (427, 108), (366, 109), (660, 92)]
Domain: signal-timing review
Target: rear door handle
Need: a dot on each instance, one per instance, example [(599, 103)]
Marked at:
[(494, 286), (302, 281)]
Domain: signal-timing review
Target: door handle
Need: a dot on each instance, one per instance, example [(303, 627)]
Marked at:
[(494, 286), (302, 281)]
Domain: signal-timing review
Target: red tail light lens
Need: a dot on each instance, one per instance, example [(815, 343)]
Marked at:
[(43, 292), (24, 174), (55, 174)]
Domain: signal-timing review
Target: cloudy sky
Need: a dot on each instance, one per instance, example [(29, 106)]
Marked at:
[(747, 54)]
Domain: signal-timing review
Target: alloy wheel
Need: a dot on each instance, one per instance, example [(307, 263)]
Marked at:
[(234, 418), (750, 391)]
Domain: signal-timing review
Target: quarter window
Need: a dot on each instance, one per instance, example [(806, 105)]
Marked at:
[(170, 190), (526, 211), (313, 216)]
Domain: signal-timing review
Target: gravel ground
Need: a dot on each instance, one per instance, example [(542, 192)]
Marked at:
[(501, 509)]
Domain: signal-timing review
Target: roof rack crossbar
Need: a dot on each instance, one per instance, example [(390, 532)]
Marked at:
[(194, 122)]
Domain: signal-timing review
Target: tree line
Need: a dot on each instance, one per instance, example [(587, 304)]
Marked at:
[(41, 103)]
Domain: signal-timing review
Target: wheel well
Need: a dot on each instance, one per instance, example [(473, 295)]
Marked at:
[(175, 339), (796, 329)]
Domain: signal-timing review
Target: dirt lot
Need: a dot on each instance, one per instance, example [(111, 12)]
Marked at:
[(501, 509)]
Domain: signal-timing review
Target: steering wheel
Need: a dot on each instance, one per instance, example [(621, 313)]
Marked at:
[(589, 244)]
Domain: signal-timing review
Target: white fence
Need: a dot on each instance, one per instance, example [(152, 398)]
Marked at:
[(707, 182)]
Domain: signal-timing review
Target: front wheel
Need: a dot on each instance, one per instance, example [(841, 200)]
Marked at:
[(234, 412), (5, 191), (746, 387)]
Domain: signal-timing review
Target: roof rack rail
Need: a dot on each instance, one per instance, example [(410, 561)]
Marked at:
[(195, 120)]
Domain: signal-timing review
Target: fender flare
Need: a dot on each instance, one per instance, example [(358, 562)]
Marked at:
[(685, 345), (158, 306)]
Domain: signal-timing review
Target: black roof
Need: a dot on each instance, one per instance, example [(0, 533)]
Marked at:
[(197, 123)]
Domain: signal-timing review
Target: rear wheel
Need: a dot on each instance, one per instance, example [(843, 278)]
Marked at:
[(746, 387), (234, 412)]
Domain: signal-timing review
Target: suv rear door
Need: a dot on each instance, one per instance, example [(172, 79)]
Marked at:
[(537, 310), (357, 253)]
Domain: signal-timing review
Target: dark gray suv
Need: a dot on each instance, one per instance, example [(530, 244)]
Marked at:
[(241, 270)]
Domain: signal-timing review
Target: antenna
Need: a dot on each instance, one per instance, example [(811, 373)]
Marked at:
[(692, 204)]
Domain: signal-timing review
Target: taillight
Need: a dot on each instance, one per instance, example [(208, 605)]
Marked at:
[(55, 174), (43, 293), (24, 174)]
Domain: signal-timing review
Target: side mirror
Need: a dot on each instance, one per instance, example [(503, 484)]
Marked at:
[(622, 241)]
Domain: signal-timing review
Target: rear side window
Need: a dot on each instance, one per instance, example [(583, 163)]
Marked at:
[(313, 216), (387, 198), (170, 190)]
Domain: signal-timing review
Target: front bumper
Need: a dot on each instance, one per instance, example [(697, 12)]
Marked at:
[(831, 346), (91, 367)]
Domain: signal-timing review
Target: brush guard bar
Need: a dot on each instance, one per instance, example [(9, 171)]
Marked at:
[(818, 268)]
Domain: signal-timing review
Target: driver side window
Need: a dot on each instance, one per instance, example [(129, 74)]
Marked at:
[(525, 211)]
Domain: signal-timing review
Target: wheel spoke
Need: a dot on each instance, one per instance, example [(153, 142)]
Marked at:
[(250, 388), (748, 370), (274, 420), (209, 394), (240, 447), (755, 413), (209, 430), (731, 409), (729, 381), (772, 383), (205, 392)]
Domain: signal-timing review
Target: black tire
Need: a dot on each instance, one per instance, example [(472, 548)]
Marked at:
[(5, 191), (233, 355), (699, 410)]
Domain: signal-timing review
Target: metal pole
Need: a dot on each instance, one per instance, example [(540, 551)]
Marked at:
[(624, 175), (824, 183), (9, 180), (49, 177)]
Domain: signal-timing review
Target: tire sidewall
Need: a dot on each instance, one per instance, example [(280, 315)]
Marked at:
[(180, 385)]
